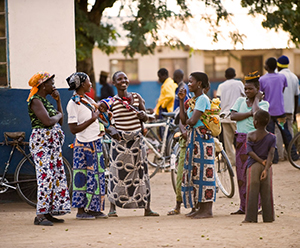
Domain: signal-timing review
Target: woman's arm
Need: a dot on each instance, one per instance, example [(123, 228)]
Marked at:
[(40, 111), (182, 114), (142, 115), (56, 96), (195, 118), (75, 128), (236, 116)]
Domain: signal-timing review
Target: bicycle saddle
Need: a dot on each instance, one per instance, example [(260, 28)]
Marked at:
[(19, 136), (166, 114)]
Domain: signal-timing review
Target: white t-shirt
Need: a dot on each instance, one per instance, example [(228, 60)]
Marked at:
[(229, 91), (79, 113), (290, 91)]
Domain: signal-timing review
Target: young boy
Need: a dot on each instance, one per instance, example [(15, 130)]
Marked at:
[(260, 148)]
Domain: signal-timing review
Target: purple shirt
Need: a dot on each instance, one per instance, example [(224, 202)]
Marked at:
[(272, 84), (260, 148)]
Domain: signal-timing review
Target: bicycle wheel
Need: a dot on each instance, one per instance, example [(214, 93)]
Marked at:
[(25, 176), (224, 174), (296, 143), (174, 165)]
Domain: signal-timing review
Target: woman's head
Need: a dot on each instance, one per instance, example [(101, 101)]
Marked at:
[(252, 84), (120, 80), (261, 118), (38, 80), (197, 81), (77, 79)]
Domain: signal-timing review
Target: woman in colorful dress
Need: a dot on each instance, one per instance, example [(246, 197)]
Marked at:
[(46, 148), (129, 182), (198, 182), (88, 165)]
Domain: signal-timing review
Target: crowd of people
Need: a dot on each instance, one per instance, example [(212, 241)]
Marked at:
[(250, 112)]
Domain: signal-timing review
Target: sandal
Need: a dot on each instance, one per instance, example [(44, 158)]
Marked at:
[(150, 213), (112, 214), (238, 212), (42, 221), (53, 219), (173, 211), (85, 216)]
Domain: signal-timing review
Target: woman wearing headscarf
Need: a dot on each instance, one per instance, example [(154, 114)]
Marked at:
[(88, 164), (129, 182), (46, 148)]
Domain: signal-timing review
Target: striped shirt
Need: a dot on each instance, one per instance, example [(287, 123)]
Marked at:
[(126, 120)]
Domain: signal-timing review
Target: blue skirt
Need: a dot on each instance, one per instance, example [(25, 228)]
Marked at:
[(198, 181)]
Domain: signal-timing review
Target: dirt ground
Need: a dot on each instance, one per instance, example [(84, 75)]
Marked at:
[(132, 229)]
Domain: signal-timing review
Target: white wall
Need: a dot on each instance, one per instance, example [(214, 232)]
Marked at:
[(41, 38), (148, 65)]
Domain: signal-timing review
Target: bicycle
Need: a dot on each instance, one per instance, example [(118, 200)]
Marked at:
[(159, 151), (294, 142), (223, 169), (25, 182)]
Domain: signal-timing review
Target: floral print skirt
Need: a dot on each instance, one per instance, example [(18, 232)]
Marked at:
[(52, 189)]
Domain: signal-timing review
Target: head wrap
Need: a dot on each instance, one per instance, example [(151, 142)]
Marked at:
[(36, 80), (252, 77), (283, 62), (74, 81)]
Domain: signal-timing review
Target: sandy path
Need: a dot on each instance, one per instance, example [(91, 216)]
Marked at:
[(132, 229)]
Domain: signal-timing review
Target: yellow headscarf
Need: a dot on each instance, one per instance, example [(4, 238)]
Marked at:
[(36, 80)]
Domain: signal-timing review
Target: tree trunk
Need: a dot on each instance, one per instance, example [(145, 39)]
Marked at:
[(86, 66)]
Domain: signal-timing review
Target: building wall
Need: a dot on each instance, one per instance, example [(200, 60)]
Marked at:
[(41, 37)]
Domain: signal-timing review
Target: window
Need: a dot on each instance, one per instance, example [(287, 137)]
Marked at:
[(251, 64), (173, 64), (129, 66), (216, 66), (3, 46)]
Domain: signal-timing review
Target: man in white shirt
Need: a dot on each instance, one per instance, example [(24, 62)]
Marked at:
[(290, 97), (229, 91)]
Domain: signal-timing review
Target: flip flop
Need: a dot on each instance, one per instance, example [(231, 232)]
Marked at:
[(151, 213), (112, 214), (173, 212), (238, 212)]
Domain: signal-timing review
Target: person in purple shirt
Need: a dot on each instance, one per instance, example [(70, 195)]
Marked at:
[(260, 148), (273, 85)]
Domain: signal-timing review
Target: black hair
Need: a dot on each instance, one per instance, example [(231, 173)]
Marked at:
[(115, 74), (262, 117), (163, 72), (255, 82), (271, 63), (230, 73), (201, 76)]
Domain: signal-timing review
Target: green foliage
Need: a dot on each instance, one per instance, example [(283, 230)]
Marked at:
[(284, 14)]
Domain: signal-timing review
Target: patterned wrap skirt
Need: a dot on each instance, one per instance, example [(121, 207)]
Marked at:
[(129, 182), (198, 180), (52, 189), (88, 176)]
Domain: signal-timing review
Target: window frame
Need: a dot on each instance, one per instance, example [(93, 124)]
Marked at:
[(5, 13)]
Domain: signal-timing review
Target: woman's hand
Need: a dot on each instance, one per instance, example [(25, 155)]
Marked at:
[(55, 95), (142, 115), (95, 114), (260, 95), (181, 94)]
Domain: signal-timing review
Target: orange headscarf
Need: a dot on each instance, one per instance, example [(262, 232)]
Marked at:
[(36, 80)]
